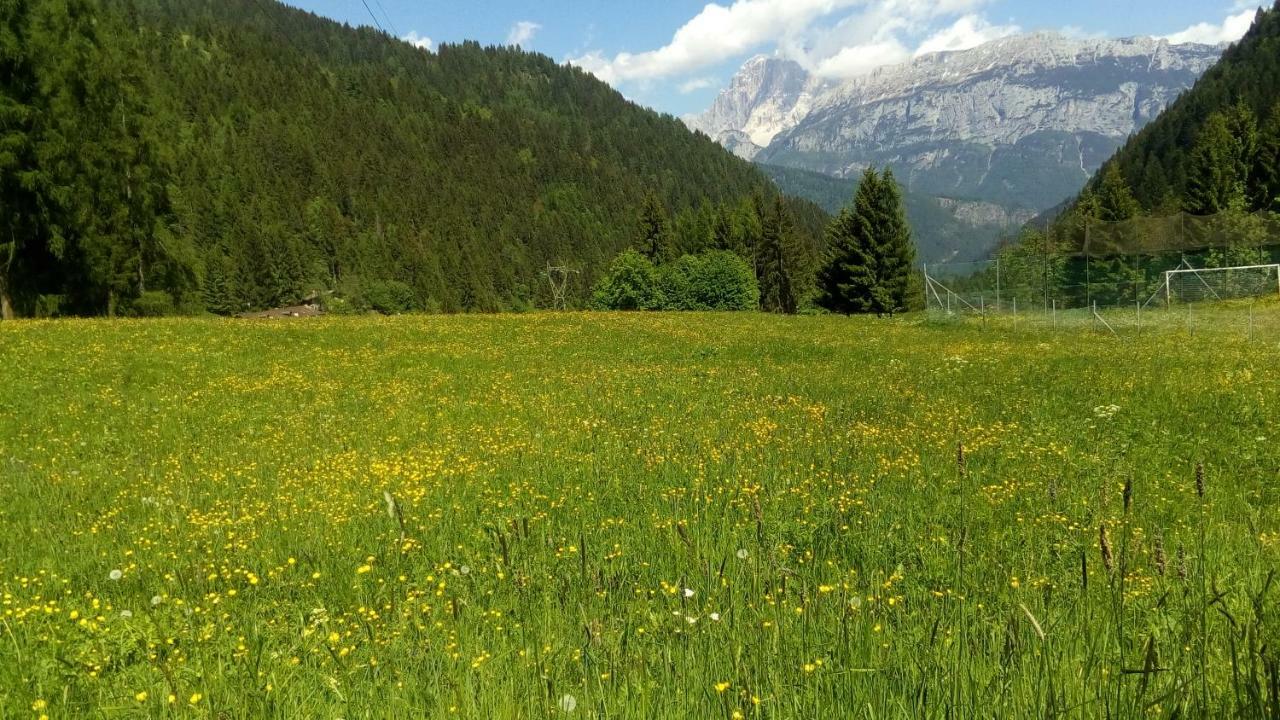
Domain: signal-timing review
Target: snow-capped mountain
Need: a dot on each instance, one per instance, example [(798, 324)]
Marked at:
[(1021, 121), (767, 96)]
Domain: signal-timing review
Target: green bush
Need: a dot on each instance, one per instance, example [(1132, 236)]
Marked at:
[(390, 297), (631, 283), (153, 303), (716, 280), (49, 306)]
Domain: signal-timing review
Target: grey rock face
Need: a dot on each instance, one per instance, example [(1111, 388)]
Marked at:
[(1020, 122)]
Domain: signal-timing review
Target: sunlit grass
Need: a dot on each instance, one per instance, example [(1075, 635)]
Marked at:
[(639, 516)]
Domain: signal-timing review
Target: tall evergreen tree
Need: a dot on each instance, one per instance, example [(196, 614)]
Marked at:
[(1115, 201), (1264, 179), (654, 239), (1213, 181), (870, 261), (780, 261), (21, 176)]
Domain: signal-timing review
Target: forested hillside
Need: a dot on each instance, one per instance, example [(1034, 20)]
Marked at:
[(940, 235), (234, 154), (1185, 190), (1219, 143)]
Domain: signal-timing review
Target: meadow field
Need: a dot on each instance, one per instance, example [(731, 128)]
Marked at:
[(637, 516)]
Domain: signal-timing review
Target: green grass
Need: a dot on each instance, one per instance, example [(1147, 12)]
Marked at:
[(559, 481)]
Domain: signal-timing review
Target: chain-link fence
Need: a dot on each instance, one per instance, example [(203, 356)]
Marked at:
[(1145, 273)]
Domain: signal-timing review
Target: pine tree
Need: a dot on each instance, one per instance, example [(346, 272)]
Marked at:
[(1264, 179), (219, 296), (1116, 202), (1213, 183), (780, 261), (104, 143), (871, 256), (654, 234), (20, 173)]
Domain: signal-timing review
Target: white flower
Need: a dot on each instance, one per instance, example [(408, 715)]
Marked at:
[(715, 617), (126, 614), (688, 592), (690, 619), (465, 570), (743, 554), (156, 600), (568, 703), (1106, 411), (115, 574)]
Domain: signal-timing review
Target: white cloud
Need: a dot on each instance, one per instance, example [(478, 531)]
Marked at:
[(865, 34), (1231, 29), (714, 35), (696, 84), (522, 32), (418, 41), (862, 59), (968, 32)]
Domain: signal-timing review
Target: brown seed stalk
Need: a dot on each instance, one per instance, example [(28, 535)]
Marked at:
[(1161, 561), (1200, 480), (1105, 543)]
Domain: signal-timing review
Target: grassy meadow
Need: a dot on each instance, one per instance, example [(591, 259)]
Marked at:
[(636, 516)]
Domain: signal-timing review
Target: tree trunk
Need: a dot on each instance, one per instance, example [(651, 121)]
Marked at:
[(6, 302)]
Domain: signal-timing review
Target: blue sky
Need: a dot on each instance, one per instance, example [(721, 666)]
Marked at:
[(675, 55)]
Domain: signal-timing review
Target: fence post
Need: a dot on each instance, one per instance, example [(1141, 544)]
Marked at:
[(997, 283), (1138, 304), (1055, 313), (982, 308), (926, 286)]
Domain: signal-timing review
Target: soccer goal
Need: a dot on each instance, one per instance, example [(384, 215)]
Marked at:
[(1188, 284)]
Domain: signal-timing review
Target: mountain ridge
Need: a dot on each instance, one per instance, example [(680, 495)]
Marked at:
[(1022, 121)]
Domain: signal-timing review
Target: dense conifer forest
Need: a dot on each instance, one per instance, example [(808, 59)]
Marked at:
[(1196, 187), (223, 155), (1217, 147)]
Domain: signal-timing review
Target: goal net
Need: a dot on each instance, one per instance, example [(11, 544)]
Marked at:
[(1187, 284)]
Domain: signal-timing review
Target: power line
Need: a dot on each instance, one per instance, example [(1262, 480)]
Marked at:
[(374, 17), (386, 16)]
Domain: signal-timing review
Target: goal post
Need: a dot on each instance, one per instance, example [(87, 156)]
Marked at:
[(1188, 284)]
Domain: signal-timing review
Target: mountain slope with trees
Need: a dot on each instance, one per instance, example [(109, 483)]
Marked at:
[(1219, 140), (234, 154)]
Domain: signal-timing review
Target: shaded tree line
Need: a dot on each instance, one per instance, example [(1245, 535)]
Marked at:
[(224, 155)]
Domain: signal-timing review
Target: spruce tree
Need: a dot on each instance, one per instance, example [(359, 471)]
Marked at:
[(1116, 202), (20, 174), (870, 261), (104, 143), (780, 261), (1213, 179), (1264, 179), (654, 239)]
